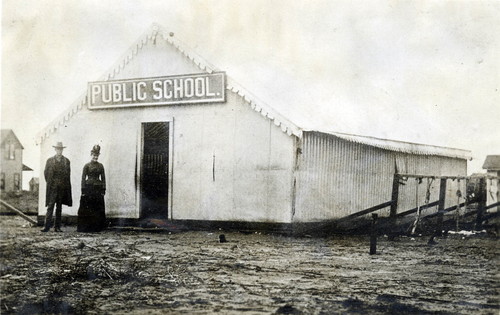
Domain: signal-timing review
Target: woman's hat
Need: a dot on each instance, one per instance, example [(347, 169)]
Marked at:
[(96, 150), (59, 145)]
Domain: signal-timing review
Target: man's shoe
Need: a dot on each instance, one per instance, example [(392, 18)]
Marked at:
[(44, 230), (58, 230)]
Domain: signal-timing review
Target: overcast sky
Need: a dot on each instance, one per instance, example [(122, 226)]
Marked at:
[(417, 71)]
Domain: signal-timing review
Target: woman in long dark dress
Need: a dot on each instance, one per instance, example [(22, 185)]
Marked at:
[(91, 214)]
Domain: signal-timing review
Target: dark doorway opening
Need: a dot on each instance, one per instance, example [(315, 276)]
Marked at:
[(154, 177)]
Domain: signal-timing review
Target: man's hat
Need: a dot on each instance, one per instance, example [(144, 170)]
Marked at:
[(59, 145)]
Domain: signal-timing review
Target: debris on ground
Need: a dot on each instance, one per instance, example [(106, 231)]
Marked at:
[(120, 271)]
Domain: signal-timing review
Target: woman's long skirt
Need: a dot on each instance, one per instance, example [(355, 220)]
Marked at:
[(91, 214)]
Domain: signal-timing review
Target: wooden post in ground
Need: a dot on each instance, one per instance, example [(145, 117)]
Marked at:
[(481, 204), (394, 196), (394, 205), (373, 235), (441, 205)]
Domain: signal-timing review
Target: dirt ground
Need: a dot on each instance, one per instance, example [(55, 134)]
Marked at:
[(140, 272)]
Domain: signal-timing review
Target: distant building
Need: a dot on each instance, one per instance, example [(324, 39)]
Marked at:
[(12, 167), (492, 167), (34, 184)]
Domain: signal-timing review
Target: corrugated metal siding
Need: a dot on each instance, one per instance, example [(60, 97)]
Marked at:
[(337, 177)]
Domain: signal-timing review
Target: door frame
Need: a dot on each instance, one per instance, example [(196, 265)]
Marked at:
[(140, 151)]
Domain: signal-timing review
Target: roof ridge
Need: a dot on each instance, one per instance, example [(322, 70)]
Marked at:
[(151, 34)]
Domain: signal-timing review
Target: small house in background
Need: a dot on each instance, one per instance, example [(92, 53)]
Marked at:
[(492, 167), (12, 167), (34, 184)]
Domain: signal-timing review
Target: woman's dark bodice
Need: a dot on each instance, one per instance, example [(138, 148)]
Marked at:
[(93, 177)]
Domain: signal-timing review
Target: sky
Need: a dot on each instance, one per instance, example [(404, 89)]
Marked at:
[(417, 71)]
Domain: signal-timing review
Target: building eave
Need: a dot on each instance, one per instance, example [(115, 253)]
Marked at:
[(155, 32), (401, 146)]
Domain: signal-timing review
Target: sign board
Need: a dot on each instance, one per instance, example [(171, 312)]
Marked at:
[(168, 90)]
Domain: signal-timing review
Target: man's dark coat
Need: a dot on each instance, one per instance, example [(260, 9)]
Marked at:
[(52, 184)]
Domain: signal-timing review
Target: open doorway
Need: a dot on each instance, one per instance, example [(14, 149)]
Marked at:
[(155, 170)]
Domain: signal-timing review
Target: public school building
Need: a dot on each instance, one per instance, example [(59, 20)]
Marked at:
[(182, 141)]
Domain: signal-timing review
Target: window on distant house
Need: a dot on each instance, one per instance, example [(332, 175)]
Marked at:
[(2, 181), (17, 181), (10, 151)]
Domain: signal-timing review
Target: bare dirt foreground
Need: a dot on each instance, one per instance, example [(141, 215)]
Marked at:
[(192, 273)]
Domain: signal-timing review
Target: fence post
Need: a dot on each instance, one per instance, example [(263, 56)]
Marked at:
[(441, 207), (394, 205), (373, 235), (395, 195), (481, 204)]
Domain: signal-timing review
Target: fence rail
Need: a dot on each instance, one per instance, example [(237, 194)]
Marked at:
[(391, 222)]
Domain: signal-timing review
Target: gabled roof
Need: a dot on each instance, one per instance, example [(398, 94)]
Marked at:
[(404, 147), (492, 163), (9, 133), (155, 32)]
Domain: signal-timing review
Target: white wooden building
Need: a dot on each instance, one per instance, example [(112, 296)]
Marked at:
[(181, 140)]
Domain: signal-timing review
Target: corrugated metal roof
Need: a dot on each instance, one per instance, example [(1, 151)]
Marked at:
[(154, 33), (401, 146), (492, 163)]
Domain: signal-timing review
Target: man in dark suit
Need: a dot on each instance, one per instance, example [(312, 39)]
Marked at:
[(57, 175)]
